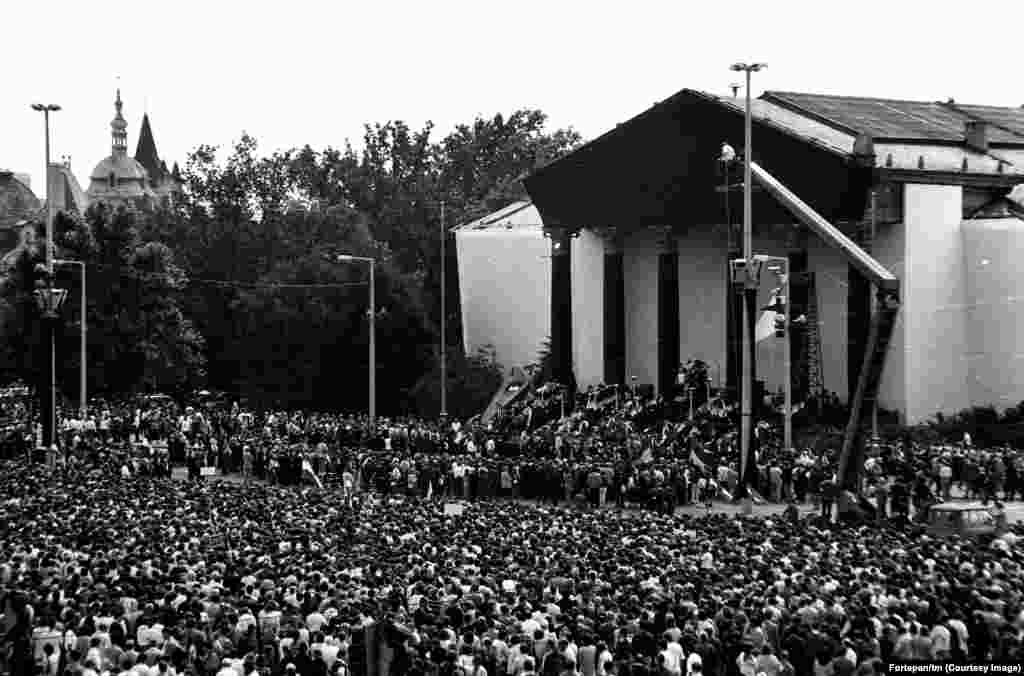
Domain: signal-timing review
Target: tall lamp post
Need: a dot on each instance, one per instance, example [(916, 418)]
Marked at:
[(747, 384), (48, 300), (373, 334), (83, 367), (444, 319)]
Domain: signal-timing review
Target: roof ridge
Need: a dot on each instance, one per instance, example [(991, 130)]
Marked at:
[(846, 97)]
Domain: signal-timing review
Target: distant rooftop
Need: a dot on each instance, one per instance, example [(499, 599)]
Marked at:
[(897, 120)]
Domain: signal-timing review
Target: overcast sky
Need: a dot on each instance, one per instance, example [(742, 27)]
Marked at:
[(298, 72)]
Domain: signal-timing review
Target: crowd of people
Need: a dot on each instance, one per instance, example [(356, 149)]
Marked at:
[(148, 576), (629, 453), (120, 569)]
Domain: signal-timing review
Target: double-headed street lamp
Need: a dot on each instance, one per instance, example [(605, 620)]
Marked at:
[(49, 299), (747, 384), (373, 333)]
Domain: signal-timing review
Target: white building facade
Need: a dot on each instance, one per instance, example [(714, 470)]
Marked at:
[(632, 279)]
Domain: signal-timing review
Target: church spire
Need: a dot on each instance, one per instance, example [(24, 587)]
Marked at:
[(118, 130), (145, 151)]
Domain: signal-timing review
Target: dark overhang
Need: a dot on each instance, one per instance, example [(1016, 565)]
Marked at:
[(661, 168)]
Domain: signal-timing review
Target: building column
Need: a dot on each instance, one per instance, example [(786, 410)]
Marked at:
[(614, 308), (799, 300), (733, 329), (561, 305), (668, 311)]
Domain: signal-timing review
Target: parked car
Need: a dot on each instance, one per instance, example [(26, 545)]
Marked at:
[(969, 519)]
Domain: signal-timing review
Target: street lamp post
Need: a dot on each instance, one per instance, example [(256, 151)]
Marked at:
[(373, 334), (83, 367), (48, 306), (444, 319), (747, 385)]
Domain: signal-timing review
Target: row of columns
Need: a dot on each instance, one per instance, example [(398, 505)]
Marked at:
[(614, 301)]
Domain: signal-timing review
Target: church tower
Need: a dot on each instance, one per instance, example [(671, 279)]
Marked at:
[(139, 182), (166, 184)]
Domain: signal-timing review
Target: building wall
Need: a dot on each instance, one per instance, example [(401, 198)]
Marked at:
[(934, 311), (702, 287), (505, 285), (640, 269), (588, 308), (890, 251), (995, 314)]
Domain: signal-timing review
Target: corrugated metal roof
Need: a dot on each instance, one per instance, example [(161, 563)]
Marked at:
[(1011, 119), (895, 119), (516, 216), (770, 113)]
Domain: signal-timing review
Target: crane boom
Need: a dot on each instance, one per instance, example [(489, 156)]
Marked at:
[(883, 320)]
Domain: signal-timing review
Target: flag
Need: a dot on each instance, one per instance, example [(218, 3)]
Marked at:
[(765, 328), (307, 471)]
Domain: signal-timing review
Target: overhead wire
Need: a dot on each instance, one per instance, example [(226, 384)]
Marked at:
[(133, 273)]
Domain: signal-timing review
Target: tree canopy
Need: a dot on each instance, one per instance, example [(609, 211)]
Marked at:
[(238, 285)]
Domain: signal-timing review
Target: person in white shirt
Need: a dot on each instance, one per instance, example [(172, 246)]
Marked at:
[(671, 659), (604, 658), (226, 669), (957, 624), (694, 665), (940, 642)]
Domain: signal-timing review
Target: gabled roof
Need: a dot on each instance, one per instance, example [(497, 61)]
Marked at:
[(145, 151), (893, 119)]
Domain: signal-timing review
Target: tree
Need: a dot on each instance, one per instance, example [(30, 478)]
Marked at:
[(306, 326), (257, 234), (472, 382), (400, 179), (134, 292), (21, 355)]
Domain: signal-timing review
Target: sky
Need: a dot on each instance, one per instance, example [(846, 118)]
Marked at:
[(301, 72)]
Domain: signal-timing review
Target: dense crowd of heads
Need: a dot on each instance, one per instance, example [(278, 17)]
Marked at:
[(235, 578)]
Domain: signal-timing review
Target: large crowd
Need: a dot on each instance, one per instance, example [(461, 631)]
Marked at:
[(110, 566), (631, 453)]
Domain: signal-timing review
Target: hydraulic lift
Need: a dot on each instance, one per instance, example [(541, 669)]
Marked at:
[(883, 319)]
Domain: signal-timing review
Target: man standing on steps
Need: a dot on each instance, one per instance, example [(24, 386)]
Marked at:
[(594, 481), (829, 494)]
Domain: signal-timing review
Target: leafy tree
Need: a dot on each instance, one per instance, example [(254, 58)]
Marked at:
[(21, 354), (472, 382), (308, 344), (135, 317), (257, 233)]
